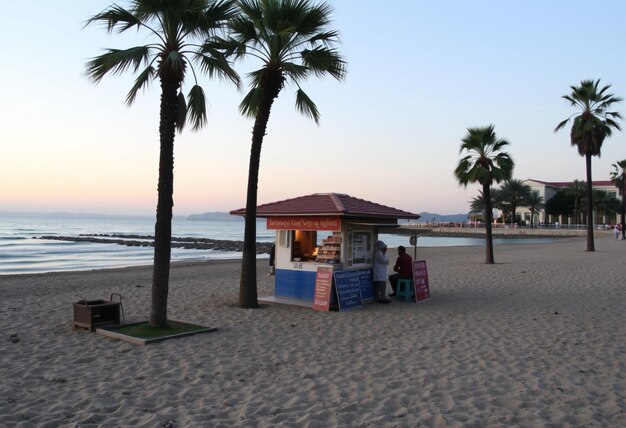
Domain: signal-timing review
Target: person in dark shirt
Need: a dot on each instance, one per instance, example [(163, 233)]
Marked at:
[(403, 269), (272, 258)]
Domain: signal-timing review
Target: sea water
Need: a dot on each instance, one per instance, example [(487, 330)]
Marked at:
[(22, 252)]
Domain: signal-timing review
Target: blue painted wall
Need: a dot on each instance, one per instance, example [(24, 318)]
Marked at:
[(297, 284)]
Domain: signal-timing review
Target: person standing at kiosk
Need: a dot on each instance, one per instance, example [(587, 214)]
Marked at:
[(380, 272), (403, 269)]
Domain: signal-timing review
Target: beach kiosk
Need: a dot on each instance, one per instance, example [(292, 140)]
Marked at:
[(330, 230)]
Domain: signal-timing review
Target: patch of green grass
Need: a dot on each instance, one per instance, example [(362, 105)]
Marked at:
[(143, 330)]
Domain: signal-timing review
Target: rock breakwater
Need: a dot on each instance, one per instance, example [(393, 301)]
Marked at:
[(177, 242)]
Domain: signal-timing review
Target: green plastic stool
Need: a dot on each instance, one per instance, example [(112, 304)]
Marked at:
[(405, 289)]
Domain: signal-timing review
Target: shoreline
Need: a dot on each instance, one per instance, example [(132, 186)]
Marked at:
[(225, 250), (533, 340), (236, 257), (501, 232)]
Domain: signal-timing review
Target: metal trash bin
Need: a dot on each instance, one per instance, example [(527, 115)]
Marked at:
[(97, 313)]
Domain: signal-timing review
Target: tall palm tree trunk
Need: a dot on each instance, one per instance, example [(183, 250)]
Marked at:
[(488, 225), (590, 242), (623, 214), (163, 226), (247, 288), (513, 217)]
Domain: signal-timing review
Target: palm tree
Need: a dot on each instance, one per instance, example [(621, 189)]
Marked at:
[(292, 41), (589, 129), (183, 31), (477, 204), (484, 164), (604, 204), (560, 204), (618, 177), (534, 202), (512, 193), (578, 190)]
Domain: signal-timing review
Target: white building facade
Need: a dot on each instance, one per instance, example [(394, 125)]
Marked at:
[(547, 190)]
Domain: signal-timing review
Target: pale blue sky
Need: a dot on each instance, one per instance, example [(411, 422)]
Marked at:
[(419, 74)]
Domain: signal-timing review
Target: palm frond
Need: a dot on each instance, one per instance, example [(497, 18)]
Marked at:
[(250, 103), (314, 18), (117, 61), (561, 125), (196, 107), (461, 172), (116, 16), (243, 30), (327, 38), (322, 60), (214, 63), (251, 9), (206, 18), (144, 78), (295, 71), (612, 124), (226, 47), (498, 145), (306, 106), (255, 77)]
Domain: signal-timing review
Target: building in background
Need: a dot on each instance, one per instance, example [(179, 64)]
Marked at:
[(547, 190)]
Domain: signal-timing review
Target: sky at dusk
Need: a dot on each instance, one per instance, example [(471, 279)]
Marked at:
[(419, 74)]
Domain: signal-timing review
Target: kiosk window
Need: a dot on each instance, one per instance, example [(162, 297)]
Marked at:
[(303, 245), (283, 238), (330, 250), (361, 248)]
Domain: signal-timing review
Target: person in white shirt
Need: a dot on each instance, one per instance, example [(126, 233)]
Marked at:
[(380, 272)]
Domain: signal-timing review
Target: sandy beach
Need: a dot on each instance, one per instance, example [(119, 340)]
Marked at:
[(538, 339)]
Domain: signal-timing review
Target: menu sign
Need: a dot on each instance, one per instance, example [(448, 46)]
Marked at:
[(323, 288), (348, 287), (366, 282), (420, 280)]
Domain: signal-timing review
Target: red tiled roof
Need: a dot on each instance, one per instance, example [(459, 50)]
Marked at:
[(328, 204), (569, 183)]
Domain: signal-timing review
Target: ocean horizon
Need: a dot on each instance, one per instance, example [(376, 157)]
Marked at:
[(22, 251)]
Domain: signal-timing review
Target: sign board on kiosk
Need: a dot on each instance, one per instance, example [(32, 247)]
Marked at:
[(323, 288), (366, 282), (420, 280), (348, 287)]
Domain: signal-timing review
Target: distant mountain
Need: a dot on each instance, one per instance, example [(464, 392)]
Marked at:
[(214, 216), (429, 217)]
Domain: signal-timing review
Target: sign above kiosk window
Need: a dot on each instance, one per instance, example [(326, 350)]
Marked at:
[(304, 223)]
